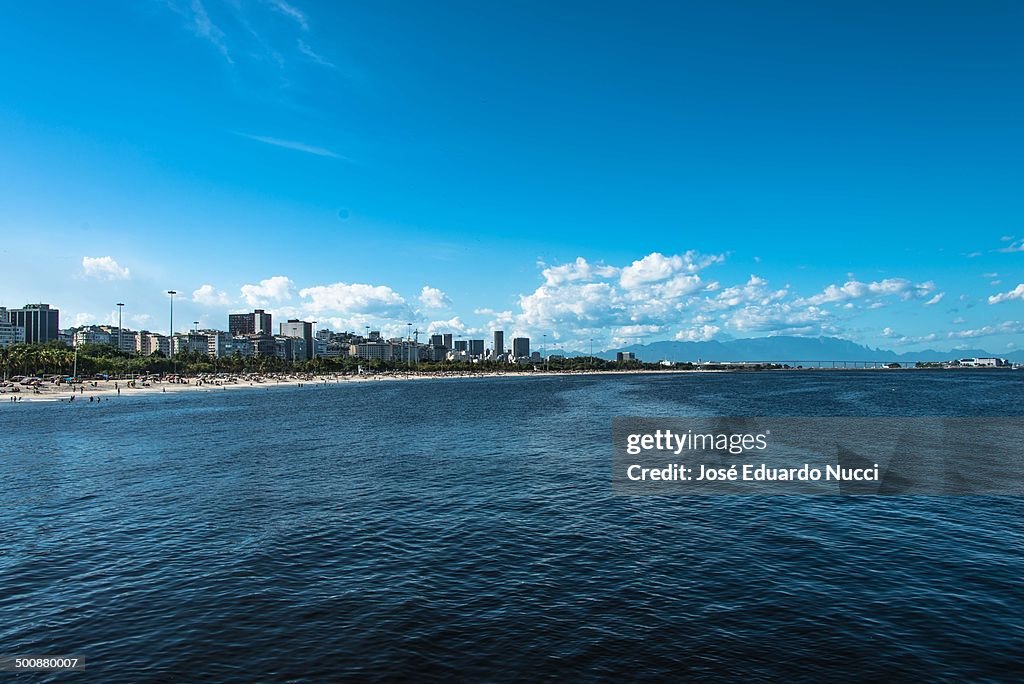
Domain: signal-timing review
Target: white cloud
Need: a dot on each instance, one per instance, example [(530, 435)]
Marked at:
[(208, 295), (701, 333), (83, 319), (348, 299), (292, 12), (433, 298), (452, 325), (271, 290), (1015, 293), (632, 334), (657, 294), (580, 269), (204, 27), (313, 55), (936, 299), (1004, 328), (294, 145), (854, 289), (656, 267), (104, 268)]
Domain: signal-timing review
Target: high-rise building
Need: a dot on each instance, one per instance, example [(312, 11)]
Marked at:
[(262, 322), (9, 333), (41, 323), (461, 346), (476, 347), (150, 343), (257, 322), (499, 343), (241, 324), (447, 341), (436, 340), (300, 329), (521, 347)]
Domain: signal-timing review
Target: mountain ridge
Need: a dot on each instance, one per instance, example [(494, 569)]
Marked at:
[(783, 348)]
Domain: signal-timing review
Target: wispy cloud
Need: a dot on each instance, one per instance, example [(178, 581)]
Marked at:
[(314, 56), (104, 268), (294, 145), (204, 27), (292, 12)]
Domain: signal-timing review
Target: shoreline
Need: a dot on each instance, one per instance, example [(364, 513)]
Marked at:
[(92, 390)]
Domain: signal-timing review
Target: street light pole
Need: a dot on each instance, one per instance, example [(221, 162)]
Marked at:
[(544, 347), (170, 338), (314, 340), (120, 335)]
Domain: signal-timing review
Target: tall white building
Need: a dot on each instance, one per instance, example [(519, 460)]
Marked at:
[(9, 332)]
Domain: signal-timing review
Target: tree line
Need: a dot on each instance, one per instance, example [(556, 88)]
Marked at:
[(56, 358)]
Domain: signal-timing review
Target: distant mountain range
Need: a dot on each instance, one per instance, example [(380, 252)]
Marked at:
[(785, 348)]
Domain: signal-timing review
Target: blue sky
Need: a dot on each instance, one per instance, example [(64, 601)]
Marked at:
[(582, 170)]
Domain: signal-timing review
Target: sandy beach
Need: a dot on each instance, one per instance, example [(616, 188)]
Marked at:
[(108, 390)]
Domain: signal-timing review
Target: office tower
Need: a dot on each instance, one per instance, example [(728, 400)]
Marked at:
[(250, 323), (41, 323), (295, 328), (521, 347)]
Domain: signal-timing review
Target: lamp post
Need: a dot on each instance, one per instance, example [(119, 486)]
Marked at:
[(120, 335), (591, 353), (314, 340), (170, 338), (544, 348), (408, 345)]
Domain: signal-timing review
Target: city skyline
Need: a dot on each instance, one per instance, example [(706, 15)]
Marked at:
[(287, 156)]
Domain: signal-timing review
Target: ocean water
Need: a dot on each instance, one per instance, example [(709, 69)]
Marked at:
[(465, 530)]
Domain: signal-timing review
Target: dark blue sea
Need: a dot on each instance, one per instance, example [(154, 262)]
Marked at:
[(465, 530)]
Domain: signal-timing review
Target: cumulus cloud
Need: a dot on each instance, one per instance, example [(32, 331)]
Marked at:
[(580, 269), (1004, 328), (208, 295), (936, 299), (668, 295), (855, 289), (1015, 293), (587, 299), (656, 267), (433, 298), (347, 299), (452, 325), (104, 268), (701, 333), (272, 290)]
